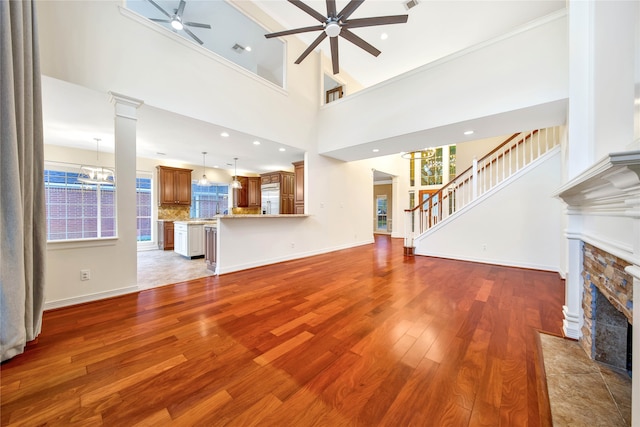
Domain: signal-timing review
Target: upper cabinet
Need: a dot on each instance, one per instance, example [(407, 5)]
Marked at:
[(298, 196), (249, 195), (174, 186)]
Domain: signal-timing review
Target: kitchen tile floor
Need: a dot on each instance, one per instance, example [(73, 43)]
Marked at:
[(158, 268), (583, 392)]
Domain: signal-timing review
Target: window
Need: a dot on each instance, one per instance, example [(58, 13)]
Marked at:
[(143, 207), (75, 210), (209, 200), (412, 170), (431, 166), (381, 213), (452, 162)]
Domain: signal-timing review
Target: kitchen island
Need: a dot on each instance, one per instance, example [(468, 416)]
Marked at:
[(189, 237)]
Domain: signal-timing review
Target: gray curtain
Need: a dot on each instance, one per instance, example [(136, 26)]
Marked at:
[(22, 210)]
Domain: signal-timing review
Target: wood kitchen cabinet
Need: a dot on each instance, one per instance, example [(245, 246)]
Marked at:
[(249, 195), (298, 190), (165, 235), (174, 186), (210, 246), (287, 188), (253, 190)]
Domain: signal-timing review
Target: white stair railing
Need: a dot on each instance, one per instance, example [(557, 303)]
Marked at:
[(515, 153)]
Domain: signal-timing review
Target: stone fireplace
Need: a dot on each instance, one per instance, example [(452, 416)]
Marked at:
[(607, 304), (603, 261)]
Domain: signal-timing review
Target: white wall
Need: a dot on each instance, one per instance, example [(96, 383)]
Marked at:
[(339, 207), (528, 68), (518, 224)]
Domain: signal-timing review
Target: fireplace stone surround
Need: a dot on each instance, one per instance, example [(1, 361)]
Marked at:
[(603, 211), (607, 303)]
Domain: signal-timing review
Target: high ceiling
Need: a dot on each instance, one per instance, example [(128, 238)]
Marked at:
[(434, 29)]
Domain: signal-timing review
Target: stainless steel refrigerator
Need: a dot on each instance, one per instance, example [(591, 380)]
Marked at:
[(271, 199)]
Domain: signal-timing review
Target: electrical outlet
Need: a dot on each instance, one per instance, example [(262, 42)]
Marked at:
[(293, 245), (484, 247), (85, 274)]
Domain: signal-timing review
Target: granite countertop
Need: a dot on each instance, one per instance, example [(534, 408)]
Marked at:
[(263, 216), (211, 221)]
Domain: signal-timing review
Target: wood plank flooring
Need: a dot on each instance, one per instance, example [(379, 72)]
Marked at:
[(359, 337)]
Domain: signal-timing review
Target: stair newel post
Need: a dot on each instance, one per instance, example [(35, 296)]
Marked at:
[(408, 232)]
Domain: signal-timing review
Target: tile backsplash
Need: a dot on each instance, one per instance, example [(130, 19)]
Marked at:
[(176, 213)]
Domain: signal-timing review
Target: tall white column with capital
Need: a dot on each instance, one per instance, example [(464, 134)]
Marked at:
[(125, 121)]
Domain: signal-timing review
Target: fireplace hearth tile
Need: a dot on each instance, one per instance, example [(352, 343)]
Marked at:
[(581, 391)]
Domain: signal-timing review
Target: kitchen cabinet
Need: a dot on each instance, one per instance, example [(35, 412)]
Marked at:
[(210, 246), (298, 188), (253, 190), (249, 195), (287, 184), (174, 186), (189, 239), (165, 235)]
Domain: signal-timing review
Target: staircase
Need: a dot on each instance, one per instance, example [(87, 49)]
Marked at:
[(509, 159)]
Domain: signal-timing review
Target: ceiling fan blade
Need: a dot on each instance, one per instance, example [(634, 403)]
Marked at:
[(359, 42), (334, 55), (294, 31), (312, 46), (181, 8), (331, 8), (309, 10), (166, 21), (164, 12), (197, 24), (379, 20), (349, 9), (193, 36)]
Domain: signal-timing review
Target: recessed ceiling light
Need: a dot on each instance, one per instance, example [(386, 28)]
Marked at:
[(469, 132), (256, 142), (224, 134), (248, 48), (375, 150), (384, 36), (281, 149)]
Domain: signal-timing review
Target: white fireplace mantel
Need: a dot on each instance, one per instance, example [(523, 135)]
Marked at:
[(603, 205), (603, 209)]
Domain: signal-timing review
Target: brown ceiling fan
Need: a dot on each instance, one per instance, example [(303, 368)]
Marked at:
[(338, 24)]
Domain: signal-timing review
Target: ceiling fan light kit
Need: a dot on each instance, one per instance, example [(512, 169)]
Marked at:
[(336, 24), (176, 21)]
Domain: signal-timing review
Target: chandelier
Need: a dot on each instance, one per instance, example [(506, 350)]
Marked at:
[(97, 174)]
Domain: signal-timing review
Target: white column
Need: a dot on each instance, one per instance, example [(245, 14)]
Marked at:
[(574, 287), (125, 161)]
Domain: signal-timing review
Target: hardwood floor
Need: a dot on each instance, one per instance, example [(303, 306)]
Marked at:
[(359, 337)]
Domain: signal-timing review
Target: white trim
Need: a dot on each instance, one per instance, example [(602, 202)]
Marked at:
[(206, 52), (50, 305), (461, 53)]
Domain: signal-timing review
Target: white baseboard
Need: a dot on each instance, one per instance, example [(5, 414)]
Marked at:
[(50, 305), (290, 257)]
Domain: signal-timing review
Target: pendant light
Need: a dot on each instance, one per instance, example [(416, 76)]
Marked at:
[(97, 174), (204, 181), (235, 184)]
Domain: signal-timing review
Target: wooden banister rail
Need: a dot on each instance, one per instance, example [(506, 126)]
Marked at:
[(494, 167), (453, 181)]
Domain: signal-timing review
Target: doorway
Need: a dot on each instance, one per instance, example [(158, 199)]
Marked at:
[(382, 202), (430, 200)]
